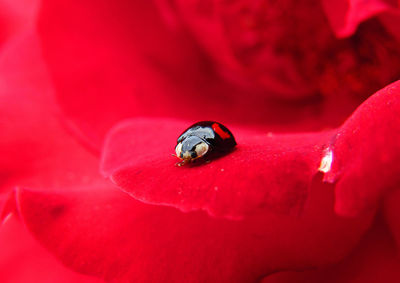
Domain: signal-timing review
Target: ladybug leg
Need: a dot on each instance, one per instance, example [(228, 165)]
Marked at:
[(181, 163)]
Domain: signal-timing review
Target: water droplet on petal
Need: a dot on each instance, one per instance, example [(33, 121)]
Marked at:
[(326, 161)]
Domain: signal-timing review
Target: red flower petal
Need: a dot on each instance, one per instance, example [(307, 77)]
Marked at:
[(23, 260), (103, 64), (391, 20), (392, 214), (263, 171), (242, 37), (106, 233), (373, 260), (366, 153), (34, 149), (346, 15), (7, 206), (16, 16), (280, 48), (24, 106), (106, 70)]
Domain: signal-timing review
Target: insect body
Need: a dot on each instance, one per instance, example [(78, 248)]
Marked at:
[(202, 139)]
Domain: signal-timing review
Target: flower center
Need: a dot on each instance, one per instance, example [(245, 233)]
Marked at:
[(287, 47)]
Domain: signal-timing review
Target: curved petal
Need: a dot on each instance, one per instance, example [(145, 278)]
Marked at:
[(17, 16), (23, 260), (34, 148), (264, 170), (365, 153), (345, 15), (106, 233), (391, 21), (361, 156), (244, 36), (107, 67), (374, 259), (106, 70), (392, 214), (268, 45)]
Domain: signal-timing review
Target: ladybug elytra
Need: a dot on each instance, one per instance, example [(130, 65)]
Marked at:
[(202, 139)]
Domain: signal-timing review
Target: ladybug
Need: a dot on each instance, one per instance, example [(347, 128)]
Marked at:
[(202, 139)]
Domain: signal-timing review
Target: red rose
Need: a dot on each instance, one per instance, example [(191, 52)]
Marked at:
[(311, 186)]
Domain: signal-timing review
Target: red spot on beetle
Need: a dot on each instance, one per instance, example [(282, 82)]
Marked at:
[(224, 135)]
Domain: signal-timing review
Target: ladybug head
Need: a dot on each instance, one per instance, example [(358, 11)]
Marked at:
[(191, 148)]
